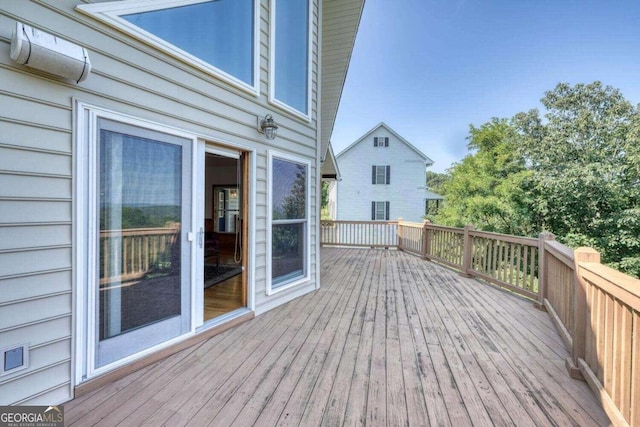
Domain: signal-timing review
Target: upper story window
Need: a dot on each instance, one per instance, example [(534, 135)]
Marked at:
[(381, 174), (380, 141), (216, 36), (290, 57)]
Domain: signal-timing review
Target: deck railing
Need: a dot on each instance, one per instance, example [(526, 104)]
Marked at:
[(508, 261), (129, 254), (596, 309), (373, 234)]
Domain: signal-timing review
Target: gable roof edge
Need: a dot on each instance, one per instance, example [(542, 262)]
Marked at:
[(427, 160)]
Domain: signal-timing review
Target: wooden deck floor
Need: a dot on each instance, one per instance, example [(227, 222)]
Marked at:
[(388, 340)]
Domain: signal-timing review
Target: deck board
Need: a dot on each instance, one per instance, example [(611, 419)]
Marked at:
[(389, 339)]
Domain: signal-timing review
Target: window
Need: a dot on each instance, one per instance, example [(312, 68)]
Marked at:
[(227, 206), (381, 174), (217, 36), (290, 54), (289, 221), (380, 211), (380, 141)]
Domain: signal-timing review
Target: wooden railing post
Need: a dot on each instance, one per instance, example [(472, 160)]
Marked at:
[(426, 239), (467, 248), (400, 243), (542, 269), (580, 319)]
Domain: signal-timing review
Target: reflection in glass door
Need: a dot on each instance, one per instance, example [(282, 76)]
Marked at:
[(143, 204)]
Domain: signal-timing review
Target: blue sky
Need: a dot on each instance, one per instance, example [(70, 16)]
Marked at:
[(429, 68)]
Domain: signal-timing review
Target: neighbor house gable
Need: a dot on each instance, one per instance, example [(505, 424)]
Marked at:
[(368, 137)]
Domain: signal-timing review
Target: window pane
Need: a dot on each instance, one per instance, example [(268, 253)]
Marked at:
[(289, 195), (218, 32), (287, 252), (380, 175), (380, 211), (291, 53), (140, 203)]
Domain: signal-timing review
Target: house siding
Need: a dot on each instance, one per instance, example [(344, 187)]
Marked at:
[(36, 170), (355, 192)]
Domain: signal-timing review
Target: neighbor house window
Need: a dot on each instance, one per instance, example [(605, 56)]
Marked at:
[(380, 211), (218, 36), (381, 174), (380, 141), (289, 221), (290, 54)]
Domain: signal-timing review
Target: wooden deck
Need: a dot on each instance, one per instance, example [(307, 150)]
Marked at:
[(388, 340)]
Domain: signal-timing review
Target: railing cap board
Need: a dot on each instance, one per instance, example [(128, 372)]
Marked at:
[(530, 241), (445, 228), (561, 252), (411, 224), (331, 221), (621, 286)]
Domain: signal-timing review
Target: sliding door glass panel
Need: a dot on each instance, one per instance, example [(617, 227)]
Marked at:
[(141, 256)]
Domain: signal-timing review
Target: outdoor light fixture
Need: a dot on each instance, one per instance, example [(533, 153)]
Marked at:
[(267, 126)]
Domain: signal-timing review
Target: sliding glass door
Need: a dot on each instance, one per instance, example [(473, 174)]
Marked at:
[(142, 289)]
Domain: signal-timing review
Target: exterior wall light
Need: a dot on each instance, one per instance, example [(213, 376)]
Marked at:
[(267, 126)]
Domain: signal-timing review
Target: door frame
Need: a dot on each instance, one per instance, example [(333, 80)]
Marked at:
[(86, 234), (246, 156), (83, 254)]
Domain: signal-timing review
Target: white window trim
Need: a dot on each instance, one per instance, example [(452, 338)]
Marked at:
[(110, 12), (384, 211), (272, 60), (307, 238), (384, 179)]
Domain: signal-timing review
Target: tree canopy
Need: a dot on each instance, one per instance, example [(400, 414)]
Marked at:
[(573, 170), (487, 188)]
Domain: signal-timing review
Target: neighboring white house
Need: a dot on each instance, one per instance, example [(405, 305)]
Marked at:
[(382, 177), (132, 152)]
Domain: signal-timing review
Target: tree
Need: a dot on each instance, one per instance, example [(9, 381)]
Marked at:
[(487, 188), (436, 181), (324, 193), (585, 161)]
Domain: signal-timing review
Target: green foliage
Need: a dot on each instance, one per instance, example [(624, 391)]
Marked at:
[(574, 171), (436, 181), (324, 193), (585, 163), (141, 217), (487, 187)]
